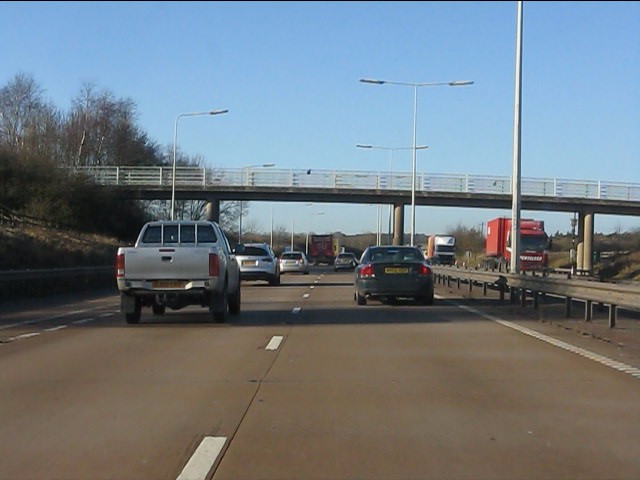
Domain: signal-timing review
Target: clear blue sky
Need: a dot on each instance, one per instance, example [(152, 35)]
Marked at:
[(288, 73)]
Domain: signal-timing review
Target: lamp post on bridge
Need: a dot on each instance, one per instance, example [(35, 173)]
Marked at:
[(455, 83), (306, 250), (175, 141), (247, 167), (391, 150)]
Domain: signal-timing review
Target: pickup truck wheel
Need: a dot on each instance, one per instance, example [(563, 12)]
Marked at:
[(219, 306), (134, 317), (362, 300), (234, 302)]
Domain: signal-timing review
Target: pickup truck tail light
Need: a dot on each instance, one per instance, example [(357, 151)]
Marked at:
[(214, 265), (120, 265)]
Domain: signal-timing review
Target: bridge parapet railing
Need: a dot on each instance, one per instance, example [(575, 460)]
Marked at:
[(351, 179)]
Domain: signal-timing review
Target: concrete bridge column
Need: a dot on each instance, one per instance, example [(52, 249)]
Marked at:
[(587, 262), (212, 211), (398, 224), (580, 243)]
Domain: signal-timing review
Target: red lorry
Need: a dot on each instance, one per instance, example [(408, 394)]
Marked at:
[(534, 244), (321, 249)]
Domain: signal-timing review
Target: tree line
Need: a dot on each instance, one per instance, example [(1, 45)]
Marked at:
[(40, 145)]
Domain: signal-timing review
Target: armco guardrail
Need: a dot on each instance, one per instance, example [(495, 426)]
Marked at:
[(38, 274), (17, 284), (614, 295)]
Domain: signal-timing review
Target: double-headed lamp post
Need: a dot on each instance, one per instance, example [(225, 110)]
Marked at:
[(175, 141), (247, 167), (391, 150), (455, 83)]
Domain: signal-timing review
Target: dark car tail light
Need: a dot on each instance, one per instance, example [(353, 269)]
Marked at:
[(367, 271), (424, 270), (214, 265), (120, 265)]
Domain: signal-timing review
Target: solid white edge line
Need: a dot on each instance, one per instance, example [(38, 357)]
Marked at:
[(202, 459), (84, 320), (274, 343), (606, 361), (26, 335), (53, 329)]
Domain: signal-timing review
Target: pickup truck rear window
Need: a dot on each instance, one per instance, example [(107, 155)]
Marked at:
[(168, 234), (206, 234), (153, 234)]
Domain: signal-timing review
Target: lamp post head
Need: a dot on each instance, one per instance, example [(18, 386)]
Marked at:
[(364, 146), (375, 82), (217, 112), (460, 83)]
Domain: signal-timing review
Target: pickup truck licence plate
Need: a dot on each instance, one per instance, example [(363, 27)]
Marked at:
[(396, 270), (168, 283)]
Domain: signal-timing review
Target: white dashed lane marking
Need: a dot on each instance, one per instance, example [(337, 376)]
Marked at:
[(274, 343), (202, 459)]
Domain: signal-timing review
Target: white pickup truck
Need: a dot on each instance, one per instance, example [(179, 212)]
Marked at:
[(175, 264)]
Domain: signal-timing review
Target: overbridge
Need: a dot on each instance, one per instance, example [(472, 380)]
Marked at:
[(213, 185)]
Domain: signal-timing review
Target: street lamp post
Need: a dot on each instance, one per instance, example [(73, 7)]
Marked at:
[(307, 242), (455, 83), (247, 167), (175, 141), (391, 150)]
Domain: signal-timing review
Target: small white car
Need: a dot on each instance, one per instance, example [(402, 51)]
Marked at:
[(258, 262), (294, 262)]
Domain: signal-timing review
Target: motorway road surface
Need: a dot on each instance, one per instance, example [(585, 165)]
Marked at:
[(304, 384)]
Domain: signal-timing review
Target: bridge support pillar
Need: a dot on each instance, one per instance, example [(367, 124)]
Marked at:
[(588, 243), (398, 224), (585, 242), (212, 210)]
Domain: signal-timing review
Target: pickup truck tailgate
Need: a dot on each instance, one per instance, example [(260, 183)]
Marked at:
[(166, 263)]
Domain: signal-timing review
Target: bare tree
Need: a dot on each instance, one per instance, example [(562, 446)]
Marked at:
[(24, 115)]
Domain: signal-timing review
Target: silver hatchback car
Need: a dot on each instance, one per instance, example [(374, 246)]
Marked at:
[(258, 262), (294, 262)]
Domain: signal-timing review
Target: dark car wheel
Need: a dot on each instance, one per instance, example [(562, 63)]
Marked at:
[(428, 298), (362, 300)]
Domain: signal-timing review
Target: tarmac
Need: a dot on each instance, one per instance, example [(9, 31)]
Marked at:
[(620, 342)]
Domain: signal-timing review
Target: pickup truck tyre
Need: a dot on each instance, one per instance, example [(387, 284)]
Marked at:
[(361, 299), (218, 306), (134, 317), (234, 302)]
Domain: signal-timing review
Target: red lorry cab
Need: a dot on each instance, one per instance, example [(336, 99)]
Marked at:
[(534, 243)]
